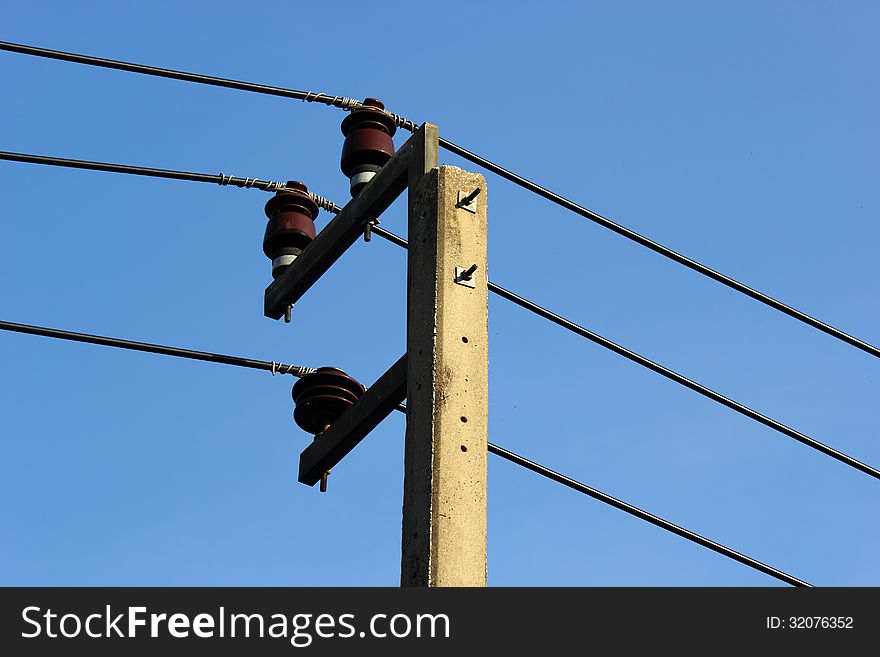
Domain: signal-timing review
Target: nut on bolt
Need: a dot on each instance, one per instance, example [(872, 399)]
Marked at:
[(368, 145), (320, 398), (291, 226)]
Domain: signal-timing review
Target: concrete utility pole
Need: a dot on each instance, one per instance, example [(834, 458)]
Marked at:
[(444, 373), (444, 499)]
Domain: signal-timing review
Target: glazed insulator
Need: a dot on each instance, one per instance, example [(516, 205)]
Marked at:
[(322, 396), (368, 144), (291, 226)]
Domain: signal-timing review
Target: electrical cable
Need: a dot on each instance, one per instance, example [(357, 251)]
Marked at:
[(268, 366), (89, 60), (660, 369), (644, 515), (217, 179), (496, 289), (349, 104), (492, 448), (342, 102), (662, 250)]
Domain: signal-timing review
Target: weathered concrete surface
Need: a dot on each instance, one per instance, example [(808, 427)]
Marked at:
[(444, 506)]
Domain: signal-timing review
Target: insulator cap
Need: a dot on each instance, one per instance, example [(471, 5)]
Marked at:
[(368, 144), (323, 396), (291, 226)]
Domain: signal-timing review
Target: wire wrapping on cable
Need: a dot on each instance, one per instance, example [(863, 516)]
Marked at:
[(295, 370), (248, 183), (401, 122), (325, 203), (342, 102), (351, 104)]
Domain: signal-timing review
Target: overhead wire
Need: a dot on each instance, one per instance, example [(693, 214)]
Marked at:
[(342, 102), (663, 250), (494, 288), (296, 370), (644, 515), (602, 341), (349, 104), (224, 359), (325, 99), (189, 176)]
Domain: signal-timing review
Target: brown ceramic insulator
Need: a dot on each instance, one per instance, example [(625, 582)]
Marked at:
[(323, 396), (292, 216), (368, 132)]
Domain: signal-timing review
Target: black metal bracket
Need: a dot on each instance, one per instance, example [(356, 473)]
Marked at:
[(330, 447)]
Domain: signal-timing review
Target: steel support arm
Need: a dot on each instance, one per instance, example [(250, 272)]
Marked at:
[(340, 233), (330, 447)]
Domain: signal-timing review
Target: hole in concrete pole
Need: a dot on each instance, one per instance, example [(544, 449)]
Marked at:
[(464, 339), (463, 418), (463, 448)]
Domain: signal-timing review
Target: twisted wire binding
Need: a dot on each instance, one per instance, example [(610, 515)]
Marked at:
[(350, 104), (273, 186), (247, 183), (325, 203), (401, 122), (295, 370), (337, 101)]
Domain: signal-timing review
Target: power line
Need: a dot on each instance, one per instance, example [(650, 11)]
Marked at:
[(595, 493), (497, 289), (644, 515), (189, 176), (341, 102), (274, 367), (238, 361), (217, 179), (349, 103), (662, 250), (175, 75), (660, 369)]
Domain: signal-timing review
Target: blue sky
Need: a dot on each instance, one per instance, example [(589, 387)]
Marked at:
[(743, 134)]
